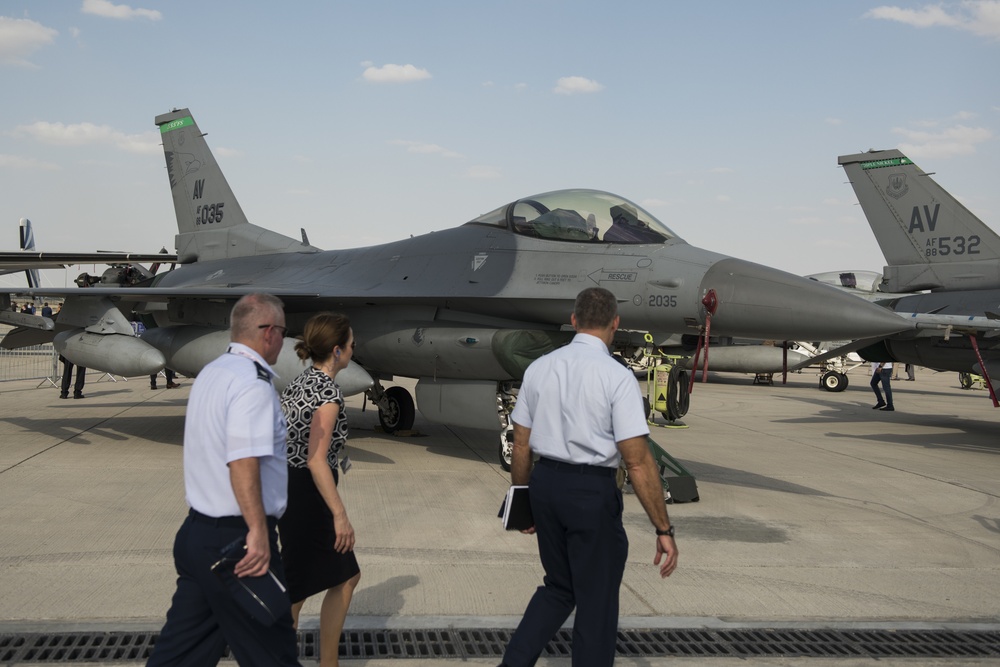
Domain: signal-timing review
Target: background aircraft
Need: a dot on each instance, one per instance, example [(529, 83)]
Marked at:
[(931, 242), (463, 310)]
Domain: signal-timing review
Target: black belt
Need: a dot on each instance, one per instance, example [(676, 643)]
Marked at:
[(226, 521), (581, 468)]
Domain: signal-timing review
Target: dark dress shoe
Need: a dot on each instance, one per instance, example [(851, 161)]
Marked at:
[(878, 407), (172, 385), (79, 396), (888, 408), (63, 395)]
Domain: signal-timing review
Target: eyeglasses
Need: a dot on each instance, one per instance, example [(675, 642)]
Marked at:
[(274, 326)]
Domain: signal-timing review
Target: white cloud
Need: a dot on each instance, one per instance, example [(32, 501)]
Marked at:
[(980, 17), (394, 73), (25, 163), (957, 140), (483, 173), (426, 149), (88, 134), (571, 85), (20, 38), (122, 12), (834, 121)]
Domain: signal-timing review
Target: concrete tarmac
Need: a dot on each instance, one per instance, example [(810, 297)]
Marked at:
[(816, 511)]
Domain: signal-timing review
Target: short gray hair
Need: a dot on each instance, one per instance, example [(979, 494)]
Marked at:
[(250, 312)]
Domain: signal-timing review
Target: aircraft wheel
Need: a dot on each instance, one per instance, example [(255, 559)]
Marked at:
[(400, 413), (965, 380), (506, 448), (834, 381)]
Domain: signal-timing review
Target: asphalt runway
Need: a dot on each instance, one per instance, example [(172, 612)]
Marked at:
[(815, 512)]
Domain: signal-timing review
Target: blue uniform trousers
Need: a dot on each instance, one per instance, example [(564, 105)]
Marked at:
[(203, 617), (583, 548)]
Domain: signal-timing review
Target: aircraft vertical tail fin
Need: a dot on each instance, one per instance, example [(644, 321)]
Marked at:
[(210, 222), (28, 243), (929, 239)]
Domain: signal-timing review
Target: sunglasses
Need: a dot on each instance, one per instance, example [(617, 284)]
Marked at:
[(274, 326)]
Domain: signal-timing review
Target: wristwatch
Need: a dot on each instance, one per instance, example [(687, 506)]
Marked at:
[(668, 531)]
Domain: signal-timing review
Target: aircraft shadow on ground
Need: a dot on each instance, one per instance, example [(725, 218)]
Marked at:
[(721, 528), (962, 433), (469, 444), (84, 430), (735, 477)]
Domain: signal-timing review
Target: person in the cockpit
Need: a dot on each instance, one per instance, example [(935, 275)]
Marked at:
[(627, 228)]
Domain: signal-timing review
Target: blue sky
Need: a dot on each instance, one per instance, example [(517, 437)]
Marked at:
[(366, 122)]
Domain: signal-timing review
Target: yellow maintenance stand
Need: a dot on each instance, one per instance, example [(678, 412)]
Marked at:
[(667, 393)]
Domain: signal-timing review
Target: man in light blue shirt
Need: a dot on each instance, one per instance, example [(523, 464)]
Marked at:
[(581, 411), (236, 484)]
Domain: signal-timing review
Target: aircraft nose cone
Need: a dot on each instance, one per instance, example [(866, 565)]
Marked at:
[(760, 302)]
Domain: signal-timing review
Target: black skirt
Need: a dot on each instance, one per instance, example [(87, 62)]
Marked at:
[(307, 538)]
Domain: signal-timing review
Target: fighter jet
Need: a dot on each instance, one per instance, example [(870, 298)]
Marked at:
[(932, 243), (464, 310)]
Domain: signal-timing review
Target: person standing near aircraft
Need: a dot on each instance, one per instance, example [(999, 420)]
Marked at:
[(581, 411), (317, 538), (882, 373), (67, 376), (235, 479)]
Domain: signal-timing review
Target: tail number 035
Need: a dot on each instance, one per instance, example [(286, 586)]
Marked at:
[(208, 213)]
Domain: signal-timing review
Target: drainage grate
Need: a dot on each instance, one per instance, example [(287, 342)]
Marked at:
[(459, 644)]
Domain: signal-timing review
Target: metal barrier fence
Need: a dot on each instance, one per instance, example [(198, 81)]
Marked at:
[(38, 362)]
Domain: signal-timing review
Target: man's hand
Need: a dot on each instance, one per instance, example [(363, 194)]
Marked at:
[(665, 546), (258, 557)]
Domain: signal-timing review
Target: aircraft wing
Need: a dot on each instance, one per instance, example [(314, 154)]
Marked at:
[(25, 261), (852, 346), (161, 293)]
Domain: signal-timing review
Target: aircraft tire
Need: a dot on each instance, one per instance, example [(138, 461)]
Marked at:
[(834, 381), (401, 412), (506, 448), (678, 398), (965, 380)]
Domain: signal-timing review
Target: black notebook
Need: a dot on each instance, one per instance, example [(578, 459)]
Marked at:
[(516, 509)]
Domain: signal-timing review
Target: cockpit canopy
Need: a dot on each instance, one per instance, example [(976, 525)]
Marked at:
[(586, 216)]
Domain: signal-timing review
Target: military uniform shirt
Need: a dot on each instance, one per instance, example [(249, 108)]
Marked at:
[(579, 403), (233, 413)]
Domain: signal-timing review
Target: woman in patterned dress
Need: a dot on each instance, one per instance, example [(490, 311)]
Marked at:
[(317, 539)]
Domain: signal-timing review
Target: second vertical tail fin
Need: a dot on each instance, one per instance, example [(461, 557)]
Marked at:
[(929, 239)]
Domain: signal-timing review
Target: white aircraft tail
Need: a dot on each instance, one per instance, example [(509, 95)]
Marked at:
[(929, 239), (28, 243), (210, 222)]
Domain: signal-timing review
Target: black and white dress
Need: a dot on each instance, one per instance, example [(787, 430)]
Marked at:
[(306, 529)]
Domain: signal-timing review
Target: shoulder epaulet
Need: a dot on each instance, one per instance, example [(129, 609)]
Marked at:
[(262, 373)]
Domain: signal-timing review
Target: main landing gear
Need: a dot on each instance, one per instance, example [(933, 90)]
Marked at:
[(396, 410), (833, 381)]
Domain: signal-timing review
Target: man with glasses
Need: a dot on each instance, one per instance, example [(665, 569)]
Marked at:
[(236, 481)]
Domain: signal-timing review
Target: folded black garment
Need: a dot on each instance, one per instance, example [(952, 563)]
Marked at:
[(264, 598)]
